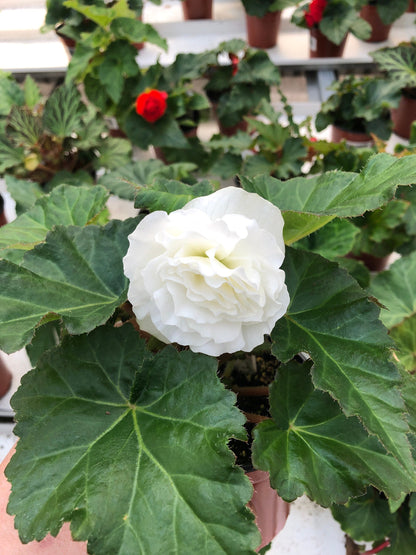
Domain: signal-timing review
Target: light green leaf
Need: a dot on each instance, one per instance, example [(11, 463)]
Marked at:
[(309, 446), (77, 275), (339, 193), (24, 193), (404, 336), (152, 430), (32, 92), (331, 318), (10, 93), (396, 290), (299, 225), (170, 195), (66, 205), (125, 181)]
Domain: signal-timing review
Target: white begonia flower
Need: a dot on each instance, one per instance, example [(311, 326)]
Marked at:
[(208, 275)]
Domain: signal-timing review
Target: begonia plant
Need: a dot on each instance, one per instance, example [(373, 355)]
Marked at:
[(136, 329), (334, 18)]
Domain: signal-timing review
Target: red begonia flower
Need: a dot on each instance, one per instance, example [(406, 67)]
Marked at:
[(316, 10), (151, 104)]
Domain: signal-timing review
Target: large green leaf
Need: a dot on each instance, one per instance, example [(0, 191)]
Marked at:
[(396, 290), (342, 194), (66, 205), (146, 468), (170, 195), (404, 336), (333, 240), (309, 445), (331, 318), (76, 274)]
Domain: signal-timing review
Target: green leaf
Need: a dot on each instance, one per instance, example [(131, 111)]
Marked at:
[(333, 240), (125, 181), (63, 111), (24, 193), (25, 128), (367, 518), (404, 337), (164, 132), (136, 31), (170, 195), (396, 290), (298, 225), (10, 155), (331, 318), (31, 92), (341, 194), (10, 93), (403, 538), (46, 336), (114, 153), (65, 206), (77, 274), (309, 446), (152, 429)]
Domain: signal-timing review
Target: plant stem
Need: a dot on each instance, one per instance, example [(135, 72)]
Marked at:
[(378, 548)]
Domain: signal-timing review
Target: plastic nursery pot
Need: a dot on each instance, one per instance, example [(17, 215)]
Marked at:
[(67, 41), (354, 138), (270, 510), (403, 116), (197, 9), (379, 30), (321, 47), (5, 378), (262, 31)]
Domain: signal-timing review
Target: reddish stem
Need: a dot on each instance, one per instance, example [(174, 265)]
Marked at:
[(378, 548)]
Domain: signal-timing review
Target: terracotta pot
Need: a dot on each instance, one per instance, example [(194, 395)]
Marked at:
[(262, 31), (270, 510), (67, 41), (379, 30), (197, 9), (3, 220), (411, 7), (321, 47), (5, 378), (228, 130), (403, 116), (354, 138)]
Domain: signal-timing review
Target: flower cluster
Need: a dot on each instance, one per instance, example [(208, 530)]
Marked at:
[(208, 275), (314, 15), (151, 104)]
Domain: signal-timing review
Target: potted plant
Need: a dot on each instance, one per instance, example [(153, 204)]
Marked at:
[(104, 61), (267, 147), (381, 14), (399, 64), (50, 140), (142, 414), (69, 23), (263, 21), (329, 22), (238, 78), (167, 108), (358, 108)]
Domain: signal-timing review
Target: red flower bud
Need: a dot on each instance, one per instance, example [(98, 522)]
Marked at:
[(234, 63), (316, 10), (151, 104)]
